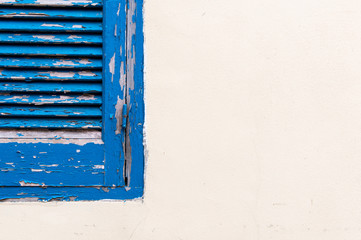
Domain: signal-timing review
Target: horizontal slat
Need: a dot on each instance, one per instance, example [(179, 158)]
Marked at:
[(53, 3), (51, 87), (50, 111), (58, 38), (50, 123), (15, 74), (80, 51), (84, 99), (49, 134), (37, 13), (50, 63), (45, 26)]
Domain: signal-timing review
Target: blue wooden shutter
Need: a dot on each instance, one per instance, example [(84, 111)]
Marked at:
[(53, 77)]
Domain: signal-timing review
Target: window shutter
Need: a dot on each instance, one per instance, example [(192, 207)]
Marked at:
[(52, 80), (50, 56)]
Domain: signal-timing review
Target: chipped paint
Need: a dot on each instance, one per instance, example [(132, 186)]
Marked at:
[(59, 74), (29, 184), (85, 61), (87, 73), (64, 62), (111, 67), (47, 150), (77, 26), (118, 115), (45, 37), (122, 79), (51, 25), (131, 56), (74, 37), (98, 167)]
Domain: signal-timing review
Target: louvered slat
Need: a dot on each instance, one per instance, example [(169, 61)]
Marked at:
[(36, 13), (46, 50), (52, 38), (50, 87), (51, 64), (14, 74), (69, 99), (49, 111), (46, 63), (49, 26), (47, 123)]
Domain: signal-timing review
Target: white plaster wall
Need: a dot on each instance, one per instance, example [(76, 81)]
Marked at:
[(253, 129)]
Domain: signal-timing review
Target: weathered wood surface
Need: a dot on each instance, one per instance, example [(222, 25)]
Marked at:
[(121, 75), (44, 164), (49, 123), (51, 87), (36, 13), (47, 63), (114, 88), (47, 50), (51, 64), (50, 134), (50, 26), (45, 75), (69, 99), (50, 111), (50, 38)]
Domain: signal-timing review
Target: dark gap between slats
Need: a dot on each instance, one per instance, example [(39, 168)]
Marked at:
[(25, 6), (50, 104), (51, 117), (51, 44), (50, 32), (52, 68), (49, 21), (2, 5), (44, 19)]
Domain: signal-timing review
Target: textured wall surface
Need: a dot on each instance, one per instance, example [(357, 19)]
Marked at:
[(253, 129)]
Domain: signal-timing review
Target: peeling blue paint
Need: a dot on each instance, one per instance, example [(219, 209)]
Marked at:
[(48, 171)]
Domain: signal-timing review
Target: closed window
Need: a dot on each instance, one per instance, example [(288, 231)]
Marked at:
[(71, 99)]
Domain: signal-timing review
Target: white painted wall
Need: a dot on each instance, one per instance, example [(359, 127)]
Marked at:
[(253, 129)]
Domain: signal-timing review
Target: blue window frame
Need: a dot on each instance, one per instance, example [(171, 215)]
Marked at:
[(111, 167)]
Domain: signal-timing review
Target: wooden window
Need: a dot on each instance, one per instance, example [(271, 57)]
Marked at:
[(71, 99)]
